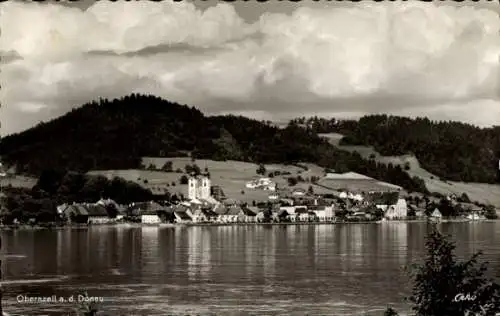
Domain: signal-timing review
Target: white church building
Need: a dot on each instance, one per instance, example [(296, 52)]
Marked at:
[(199, 189)]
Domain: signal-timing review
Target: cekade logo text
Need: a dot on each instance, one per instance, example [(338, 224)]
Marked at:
[(58, 299), (464, 297)]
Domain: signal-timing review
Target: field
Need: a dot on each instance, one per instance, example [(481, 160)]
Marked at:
[(480, 192), (17, 181), (230, 175)]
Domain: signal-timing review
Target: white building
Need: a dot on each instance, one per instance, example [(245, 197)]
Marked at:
[(199, 188), (324, 213), (262, 183), (274, 196), (150, 218), (436, 213), (398, 210), (299, 192)]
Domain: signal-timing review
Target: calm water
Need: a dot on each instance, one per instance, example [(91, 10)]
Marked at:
[(352, 269)]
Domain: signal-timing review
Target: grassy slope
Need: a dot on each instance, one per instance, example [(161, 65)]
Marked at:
[(230, 175), (18, 181), (481, 192)]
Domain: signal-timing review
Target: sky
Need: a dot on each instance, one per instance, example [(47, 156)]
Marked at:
[(271, 61)]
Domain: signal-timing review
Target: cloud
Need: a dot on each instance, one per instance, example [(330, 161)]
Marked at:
[(402, 58)]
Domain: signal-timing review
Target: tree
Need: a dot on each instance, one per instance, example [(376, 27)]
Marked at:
[(184, 179), (444, 286), (50, 179), (151, 167), (490, 212), (292, 181), (196, 169), (167, 167), (310, 190), (261, 170), (112, 210), (390, 312)]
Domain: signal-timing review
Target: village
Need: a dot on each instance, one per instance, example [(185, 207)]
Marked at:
[(206, 204)]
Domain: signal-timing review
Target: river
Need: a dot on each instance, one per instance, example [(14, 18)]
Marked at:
[(342, 269)]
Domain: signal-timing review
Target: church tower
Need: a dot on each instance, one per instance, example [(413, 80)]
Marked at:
[(205, 187), (192, 188)]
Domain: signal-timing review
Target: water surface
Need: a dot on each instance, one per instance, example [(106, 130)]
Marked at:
[(345, 269)]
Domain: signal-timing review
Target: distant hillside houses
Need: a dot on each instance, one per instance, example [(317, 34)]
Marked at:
[(261, 183), (89, 213), (350, 195)]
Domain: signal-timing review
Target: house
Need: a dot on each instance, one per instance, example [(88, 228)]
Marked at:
[(217, 193), (357, 197), (264, 216), (231, 215), (105, 202), (282, 216), (62, 209), (419, 213), (229, 202), (289, 209), (286, 202), (74, 213), (361, 214), (247, 215), (150, 216), (323, 213), (301, 214), (475, 216), (197, 216), (470, 207), (436, 214), (274, 196), (210, 215), (183, 214), (155, 213), (202, 215), (299, 192), (220, 208), (390, 203), (262, 183), (312, 217), (150, 212), (97, 214), (398, 210), (121, 212)]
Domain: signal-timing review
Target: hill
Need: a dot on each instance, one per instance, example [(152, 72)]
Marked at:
[(116, 134), (450, 150), (480, 192)]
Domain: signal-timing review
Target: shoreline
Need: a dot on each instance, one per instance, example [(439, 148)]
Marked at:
[(83, 226)]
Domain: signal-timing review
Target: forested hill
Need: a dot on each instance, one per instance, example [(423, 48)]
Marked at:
[(452, 150), (116, 134)]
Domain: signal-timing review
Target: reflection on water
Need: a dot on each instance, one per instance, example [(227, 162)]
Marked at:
[(316, 269)]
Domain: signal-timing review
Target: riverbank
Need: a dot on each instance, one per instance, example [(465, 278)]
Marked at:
[(187, 224)]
